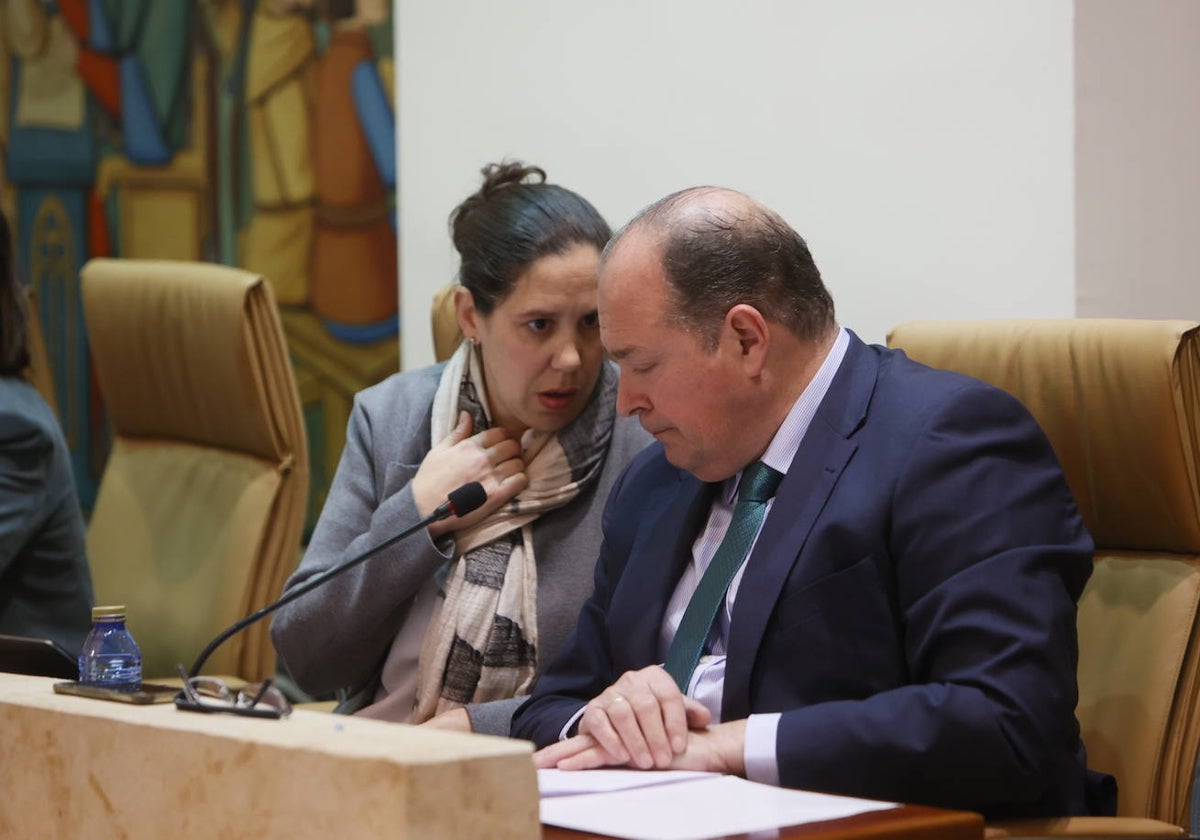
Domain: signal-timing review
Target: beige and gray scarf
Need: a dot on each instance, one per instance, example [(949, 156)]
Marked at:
[(482, 642)]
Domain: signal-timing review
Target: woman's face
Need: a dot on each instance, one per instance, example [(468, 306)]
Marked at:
[(540, 345)]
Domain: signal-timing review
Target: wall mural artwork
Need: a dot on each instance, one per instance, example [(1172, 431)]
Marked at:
[(255, 133)]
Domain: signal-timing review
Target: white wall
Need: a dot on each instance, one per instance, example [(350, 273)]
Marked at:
[(1137, 158), (924, 149)]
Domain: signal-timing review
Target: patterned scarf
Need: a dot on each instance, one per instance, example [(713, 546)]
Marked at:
[(482, 643)]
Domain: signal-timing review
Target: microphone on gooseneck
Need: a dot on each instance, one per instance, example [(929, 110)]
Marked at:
[(460, 502)]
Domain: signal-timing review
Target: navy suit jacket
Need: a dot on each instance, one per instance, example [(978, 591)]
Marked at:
[(909, 606)]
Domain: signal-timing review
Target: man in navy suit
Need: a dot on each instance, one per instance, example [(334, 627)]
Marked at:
[(903, 627)]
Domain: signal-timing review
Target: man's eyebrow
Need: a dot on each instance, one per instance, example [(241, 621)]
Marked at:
[(621, 353)]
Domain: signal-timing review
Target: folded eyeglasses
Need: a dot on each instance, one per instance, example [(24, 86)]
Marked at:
[(210, 694)]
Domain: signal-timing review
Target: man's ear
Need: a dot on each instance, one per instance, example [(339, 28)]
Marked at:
[(468, 316), (749, 329)]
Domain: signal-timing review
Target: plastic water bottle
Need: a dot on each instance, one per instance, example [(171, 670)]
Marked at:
[(110, 657)]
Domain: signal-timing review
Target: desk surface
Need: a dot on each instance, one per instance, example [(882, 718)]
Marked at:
[(907, 821), (97, 764), (78, 767)]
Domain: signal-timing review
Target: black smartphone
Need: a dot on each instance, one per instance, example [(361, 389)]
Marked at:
[(148, 693), (36, 657)]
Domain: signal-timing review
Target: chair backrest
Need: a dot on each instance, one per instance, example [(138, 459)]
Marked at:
[(446, 333), (200, 508), (1120, 403)]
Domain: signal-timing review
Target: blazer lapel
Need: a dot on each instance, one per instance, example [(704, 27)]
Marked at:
[(803, 493), (657, 559)]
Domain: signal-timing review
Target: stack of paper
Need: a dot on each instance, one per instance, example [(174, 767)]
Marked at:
[(682, 805)]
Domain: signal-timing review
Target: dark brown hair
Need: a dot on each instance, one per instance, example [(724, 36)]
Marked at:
[(512, 221), (14, 353), (715, 257)]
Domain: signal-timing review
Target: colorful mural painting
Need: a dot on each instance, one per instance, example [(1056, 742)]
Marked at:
[(256, 133)]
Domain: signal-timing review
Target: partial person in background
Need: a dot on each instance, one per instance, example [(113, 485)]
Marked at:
[(45, 584), (452, 623)]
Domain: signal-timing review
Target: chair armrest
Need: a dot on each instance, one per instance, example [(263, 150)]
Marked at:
[(1082, 827)]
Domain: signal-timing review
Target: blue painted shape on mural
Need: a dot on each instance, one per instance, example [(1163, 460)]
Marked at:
[(151, 42), (363, 333), (100, 33), (48, 156), (51, 249), (144, 141), (377, 119)]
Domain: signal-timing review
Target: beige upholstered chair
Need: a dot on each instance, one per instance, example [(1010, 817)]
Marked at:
[(198, 517), (446, 333), (1120, 402)]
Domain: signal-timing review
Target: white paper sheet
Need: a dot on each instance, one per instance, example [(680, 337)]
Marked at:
[(697, 809), (570, 782)]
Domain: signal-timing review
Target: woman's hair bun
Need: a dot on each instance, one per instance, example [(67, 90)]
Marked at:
[(497, 176)]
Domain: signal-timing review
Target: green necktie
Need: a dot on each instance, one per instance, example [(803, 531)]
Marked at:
[(757, 487)]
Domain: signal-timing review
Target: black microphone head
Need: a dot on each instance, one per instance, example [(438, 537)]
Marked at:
[(467, 498)]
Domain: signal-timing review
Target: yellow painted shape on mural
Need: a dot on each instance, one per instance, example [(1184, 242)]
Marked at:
[(281, 146), (5, 63), (373, 12), (23, 26), (51, 94), (339, 372), (160, 224), (187, 168), (8, 193), (387, 75), (160, 209), (276, 245), (351, 367), (279, 48)]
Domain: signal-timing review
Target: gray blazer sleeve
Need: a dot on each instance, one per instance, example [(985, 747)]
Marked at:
[(45, 581), (25, 457), (494, 718), (336, 636)]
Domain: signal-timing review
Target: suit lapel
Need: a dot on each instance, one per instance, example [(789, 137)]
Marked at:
[(662, 549), (803, 493)]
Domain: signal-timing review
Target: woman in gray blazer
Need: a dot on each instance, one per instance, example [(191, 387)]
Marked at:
[(450, 625)]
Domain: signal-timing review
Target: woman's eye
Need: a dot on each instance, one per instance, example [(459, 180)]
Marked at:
[(592, 319), (539, 325)]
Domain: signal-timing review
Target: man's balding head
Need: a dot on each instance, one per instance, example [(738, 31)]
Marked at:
[(719, 248)]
